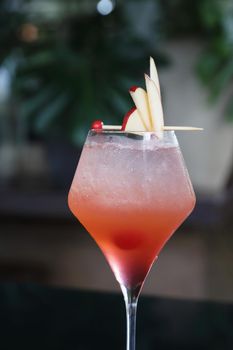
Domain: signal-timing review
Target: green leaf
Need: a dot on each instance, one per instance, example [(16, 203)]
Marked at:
[(50, 112), (40, 59), (222, 79), (229, 111), (118, 106), (32, 104), (211, 13), (207, 66)]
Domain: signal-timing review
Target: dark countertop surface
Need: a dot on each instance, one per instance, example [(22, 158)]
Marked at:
[(37, 317)]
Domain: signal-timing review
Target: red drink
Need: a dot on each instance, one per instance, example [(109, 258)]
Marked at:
[(131, 194)]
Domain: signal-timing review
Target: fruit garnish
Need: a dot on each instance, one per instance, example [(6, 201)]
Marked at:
[(156, 109), (97, 125), (148, 113), (128, 240), (154, 74), (133, 88), (132, 121), (140, 99)]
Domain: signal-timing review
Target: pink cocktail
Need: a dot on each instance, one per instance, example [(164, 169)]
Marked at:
[(131, 192), (131, 195)]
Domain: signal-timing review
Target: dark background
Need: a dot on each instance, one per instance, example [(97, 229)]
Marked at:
[(64, 64)]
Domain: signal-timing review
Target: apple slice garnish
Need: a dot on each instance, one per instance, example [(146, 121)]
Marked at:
[(132, 121), (148, 113), (154, 74), (155, 105), (140, 99)]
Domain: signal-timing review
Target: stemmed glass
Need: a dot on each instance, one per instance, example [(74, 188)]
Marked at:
[(131, 191)]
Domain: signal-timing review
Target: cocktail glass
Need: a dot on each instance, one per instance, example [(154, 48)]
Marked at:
[(131, 191)]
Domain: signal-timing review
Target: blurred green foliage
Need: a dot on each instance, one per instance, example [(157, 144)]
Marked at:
[(212, 22), (215, 66), (78, 69), (73, 65), (81, 74)]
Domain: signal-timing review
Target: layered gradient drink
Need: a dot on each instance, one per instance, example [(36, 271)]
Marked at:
[(131, 192)]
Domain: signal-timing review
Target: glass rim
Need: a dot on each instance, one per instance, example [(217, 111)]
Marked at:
[(143, 132)]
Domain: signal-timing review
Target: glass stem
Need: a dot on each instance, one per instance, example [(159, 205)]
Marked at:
[(131, 300)]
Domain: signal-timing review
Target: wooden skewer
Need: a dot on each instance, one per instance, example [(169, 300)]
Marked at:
[(165, 128), (184, 128), (112, 127)]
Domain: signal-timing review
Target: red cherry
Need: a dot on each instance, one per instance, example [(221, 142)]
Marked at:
[(97, 125), (133, 88), (128, 240)]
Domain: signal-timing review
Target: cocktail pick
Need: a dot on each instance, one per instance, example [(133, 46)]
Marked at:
[(99, 125)]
